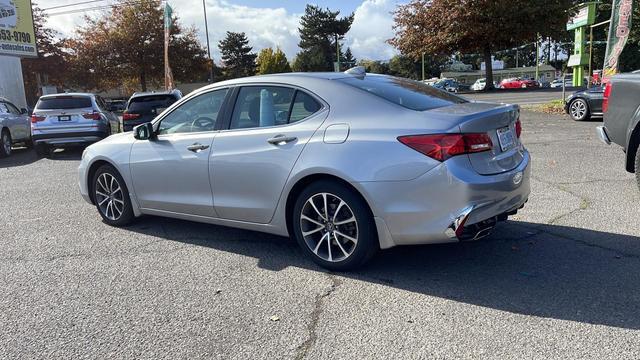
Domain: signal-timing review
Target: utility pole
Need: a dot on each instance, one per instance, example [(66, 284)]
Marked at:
[(537, 58), (423, 66), (206, 30), (337, 54)]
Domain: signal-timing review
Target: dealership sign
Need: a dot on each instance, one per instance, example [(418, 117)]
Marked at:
[(586, 15), (17, 37), (619, 29)]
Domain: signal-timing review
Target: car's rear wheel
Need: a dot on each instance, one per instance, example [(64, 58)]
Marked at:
[(111, 196), (579, 110), (5, 143), (334, 226)]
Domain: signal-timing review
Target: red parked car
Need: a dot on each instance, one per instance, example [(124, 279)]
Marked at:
[(518, 83)]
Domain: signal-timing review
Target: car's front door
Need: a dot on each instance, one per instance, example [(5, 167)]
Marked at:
[(171, 173), (251, 161)]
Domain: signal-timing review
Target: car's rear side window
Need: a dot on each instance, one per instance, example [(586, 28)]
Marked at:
[(410, 94), (64, 102), (143, 104)]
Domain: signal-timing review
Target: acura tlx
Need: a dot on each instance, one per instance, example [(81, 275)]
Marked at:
[(346, 163)]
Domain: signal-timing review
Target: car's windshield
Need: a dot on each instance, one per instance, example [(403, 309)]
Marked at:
[(64, 102), (149, 103)]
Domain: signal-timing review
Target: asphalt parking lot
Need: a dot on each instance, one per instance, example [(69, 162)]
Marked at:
[(561, 280)]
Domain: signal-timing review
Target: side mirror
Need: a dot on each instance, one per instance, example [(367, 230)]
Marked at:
[(144, 132), (24, 111)]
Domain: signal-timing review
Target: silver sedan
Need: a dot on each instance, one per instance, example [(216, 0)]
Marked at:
[(346, 163)]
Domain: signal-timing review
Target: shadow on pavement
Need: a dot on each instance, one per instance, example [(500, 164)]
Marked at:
[(525, 268), (25, 156)]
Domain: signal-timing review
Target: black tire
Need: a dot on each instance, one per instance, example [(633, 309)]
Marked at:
[(5, 138), (587, 112), (42, 149), (126, 215), (638, 167), (359, 252)]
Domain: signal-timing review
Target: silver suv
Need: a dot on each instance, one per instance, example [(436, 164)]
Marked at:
[(71, 119), (14, 127)]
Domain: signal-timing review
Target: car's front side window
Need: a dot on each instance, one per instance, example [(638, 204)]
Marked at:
[(197, 114)]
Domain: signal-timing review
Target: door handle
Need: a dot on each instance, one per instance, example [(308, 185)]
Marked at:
[(281, 139), (197, 147)]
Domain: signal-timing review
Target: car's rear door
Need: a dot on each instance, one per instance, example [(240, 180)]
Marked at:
[(18, 126), (170, 173), (252, 159)]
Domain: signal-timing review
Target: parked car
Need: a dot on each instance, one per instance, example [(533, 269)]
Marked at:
[(450, 85), (14, 127), (481, 84), (518, 83), (621, 118), (117, 105), (61, 120), (290, 154), (144, 107), (585, 104)]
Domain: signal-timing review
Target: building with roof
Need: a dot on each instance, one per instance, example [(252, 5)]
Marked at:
[(547, 73)]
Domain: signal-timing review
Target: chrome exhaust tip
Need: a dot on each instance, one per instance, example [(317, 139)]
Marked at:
[(456, 228)]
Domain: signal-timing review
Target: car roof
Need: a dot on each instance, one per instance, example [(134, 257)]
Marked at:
[(151, 93), (48, 96)]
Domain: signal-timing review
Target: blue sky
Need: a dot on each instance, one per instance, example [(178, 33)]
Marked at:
[(267, 23)]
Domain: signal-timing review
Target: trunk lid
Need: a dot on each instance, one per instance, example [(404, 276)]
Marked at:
[(498, 121), (65, 114)]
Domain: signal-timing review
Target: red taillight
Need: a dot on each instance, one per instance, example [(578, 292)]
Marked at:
[(93, 115), (518, 128), (127, 116), (605, 99), (37, 118), (444, 146)]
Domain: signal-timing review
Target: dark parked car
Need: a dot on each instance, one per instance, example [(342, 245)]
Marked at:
[(622, 119), (585, 104), (144, 107)]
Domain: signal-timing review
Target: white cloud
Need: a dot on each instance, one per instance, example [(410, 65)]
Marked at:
[(372, 27), (265, 27)]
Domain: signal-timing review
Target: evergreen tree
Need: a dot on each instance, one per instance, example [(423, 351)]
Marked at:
[(272, 62), (319, 31), (237, 58), (348, 60)]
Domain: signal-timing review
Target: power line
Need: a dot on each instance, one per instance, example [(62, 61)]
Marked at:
[(74, 4), (97, 8)]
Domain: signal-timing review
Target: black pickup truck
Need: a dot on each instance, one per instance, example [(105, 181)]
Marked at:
[(621, 108)]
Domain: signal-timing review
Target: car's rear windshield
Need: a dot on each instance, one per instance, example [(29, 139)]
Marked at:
[(147, 103), (411, 94), (64, 102)]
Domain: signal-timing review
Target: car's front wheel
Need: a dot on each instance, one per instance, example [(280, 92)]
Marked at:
[(111, 196), (5, 143), (334, 226), (579, 110)]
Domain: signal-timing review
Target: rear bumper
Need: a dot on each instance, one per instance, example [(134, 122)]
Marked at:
[(425, 210), (69, 138), (602, 135)]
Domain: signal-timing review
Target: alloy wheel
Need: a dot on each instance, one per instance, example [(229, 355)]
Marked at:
[(109, 196), (329, 227), (578, 109)]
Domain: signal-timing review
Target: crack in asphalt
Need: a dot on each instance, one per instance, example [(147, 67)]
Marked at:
[(584, 202), (312, 327)]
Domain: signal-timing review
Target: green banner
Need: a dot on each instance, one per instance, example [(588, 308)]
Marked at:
[(167, 16), (619, 29)]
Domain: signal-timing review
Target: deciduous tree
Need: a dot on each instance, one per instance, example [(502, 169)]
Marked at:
[(475, 26), (127, 43), (49, 67)]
